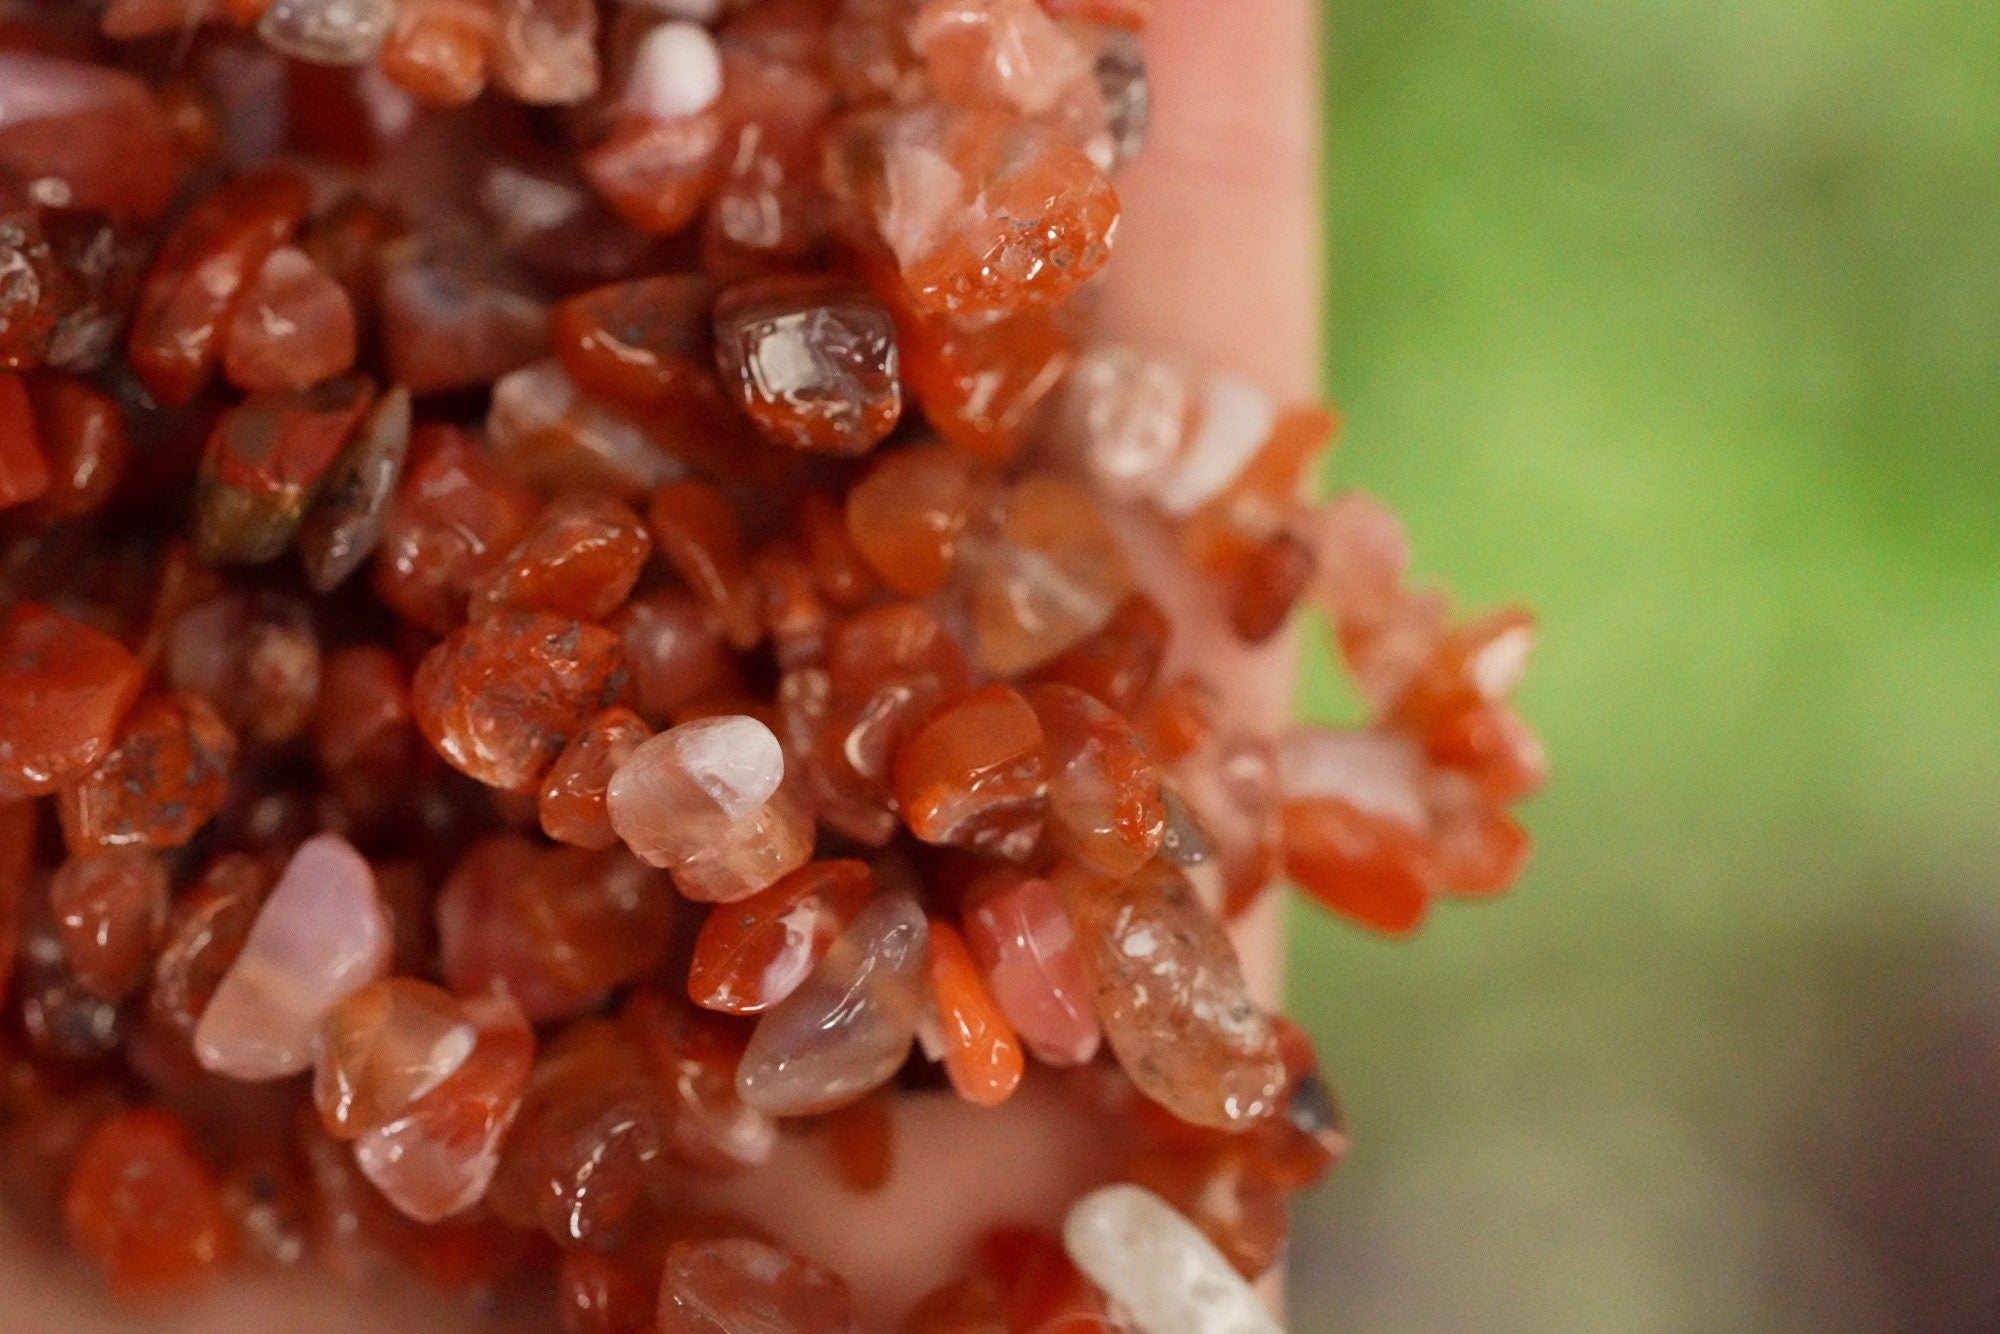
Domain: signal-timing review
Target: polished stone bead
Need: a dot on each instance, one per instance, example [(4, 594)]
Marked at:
[(383, 1048), (292, 327), (1156, 1266), (580, 559), (110, 909), (976, 775), (812, 361), (64, 688), (265, 460), (1017, 931), (906, 516), (1055, 574), (753, 953), (88, 135), (167, 774), (454, 517), (572, 806)]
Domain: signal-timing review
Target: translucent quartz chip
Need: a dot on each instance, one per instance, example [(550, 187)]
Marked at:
[(571, 807), (849, 1027), (696, 529), (753, 953), (265, 460), (110, 908), (1225, 1190), (438, 49), (545, 51), (590, 1139), (24, 468), (64, 687), (345, 521), (439, 1156), (986, 214), (907, 514), (770, 209), (80, 436), (1172, 998), (255, 657), (453, 518), (162, 780), (580, 559), (500, 698), (321, 936), (1104, 790), (454, 316), (1229, 787), (1119, 663), (1356, 830), (1125, 418), (705, 801), (216, 251), (736, 1284), (144, 1207), (548, 434), (293, 326), (980, 52), (976, 775), (205, 932), (384, 1047), (1018, 933), (1160, 1270), (656, 174), (676, 71), (1054, 574), (812, 361), (86, 136), (981, 1052), (327, 32), (693, 1056)]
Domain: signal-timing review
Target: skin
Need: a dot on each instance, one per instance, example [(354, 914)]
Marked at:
[(1220, 219)]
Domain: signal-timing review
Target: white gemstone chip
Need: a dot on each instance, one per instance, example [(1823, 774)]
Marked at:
[(1157, 1267)]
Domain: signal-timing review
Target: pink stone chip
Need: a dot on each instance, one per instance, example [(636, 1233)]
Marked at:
[(321, 936)]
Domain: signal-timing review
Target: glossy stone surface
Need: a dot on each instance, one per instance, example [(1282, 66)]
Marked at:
[(1017, 932), (850, 1026), (705, 800), (572, 805), (255, 657), (737, 1284), (500, 698), (981, 1052), (110, 909), (907, 514), (656, 174), (439, 49), (345, 520), (593, 920), (1171, 997), (96, 136), (1104, 790), (812, 361), (292, 327), (548, 434), (675, 650), (321, 936), (1355, 825), (697, 533), (80, 434), (1158, 1267), (753, 953), (383, 1048), (144, 1207), (976, 775), (265, 460), (580, 559), (692, 1056), (24, 467), (1056, 574), (205, 932), (454, 516), (641, 344), (455, 315), (162, 779), (64, 687)]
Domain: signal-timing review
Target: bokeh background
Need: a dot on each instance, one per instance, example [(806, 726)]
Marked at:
[(1680, 319)]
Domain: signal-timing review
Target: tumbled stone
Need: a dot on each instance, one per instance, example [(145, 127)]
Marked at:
[(320, 937), (86, 136), (696, 531), (500, 698), (642, 344), (740, 1284), (166, 775), (550, 436), (770, 208), (594, 920), (144, 1207), (1120, 662), (327, 32), (981, 1052), (292, 327), (1104, 790), (265, 460), (1172, 998), (1356, 831), (675, 650), (80, 433), (812, 361), (580, 559), (344, 522), (24, 466), (1226, 1193), (545, 51), (589, 1141), (1017, 931), (363, 735), (849, 1027), (439, 1156), (976, 775), (206, 930), (656, 174), (572, 806), (438, 49), (981, 52), (110, 908), (1055, 574), (212, 256), (693, 1058), (454, 516), (705, 801), (383, 1048), (1156, 1266), (64, 688), (753, 953), (907, 514), (453, 315), (483, 943), (255, 657)]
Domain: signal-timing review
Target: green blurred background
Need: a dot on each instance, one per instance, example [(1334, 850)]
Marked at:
[(1681, 321)]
